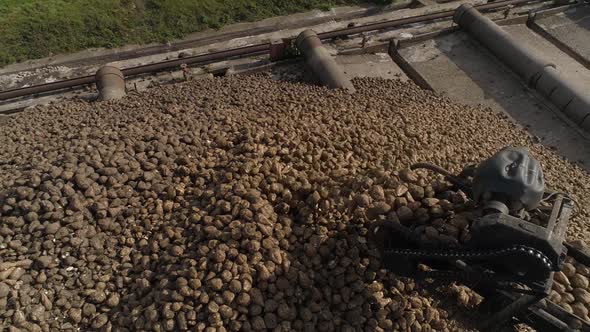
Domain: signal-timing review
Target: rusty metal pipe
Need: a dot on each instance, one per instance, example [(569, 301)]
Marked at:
[(321, 62), (538, 73), (110, 83)]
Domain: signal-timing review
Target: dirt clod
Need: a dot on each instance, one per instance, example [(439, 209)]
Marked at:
[(239, 203)]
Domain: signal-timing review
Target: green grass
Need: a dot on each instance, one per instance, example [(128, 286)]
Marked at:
[(31, 29)]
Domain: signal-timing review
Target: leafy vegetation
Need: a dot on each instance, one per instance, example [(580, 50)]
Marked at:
[(32, 29)]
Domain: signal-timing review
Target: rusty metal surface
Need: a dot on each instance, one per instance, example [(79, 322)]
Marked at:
[(138, 70)]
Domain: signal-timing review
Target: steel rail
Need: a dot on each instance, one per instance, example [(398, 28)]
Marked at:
[(251, 50), (137, 70), (339, 33)]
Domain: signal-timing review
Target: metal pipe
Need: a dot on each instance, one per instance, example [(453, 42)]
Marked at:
[(517, 57), (538, 73), (110, 83), (243, 51), (321, 62)]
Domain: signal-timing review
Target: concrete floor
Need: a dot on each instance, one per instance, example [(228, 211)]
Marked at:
[(575, 72), (479, 78), (572, 28), (370, 65)]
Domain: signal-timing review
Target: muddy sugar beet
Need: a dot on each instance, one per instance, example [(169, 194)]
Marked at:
[(236, 204)]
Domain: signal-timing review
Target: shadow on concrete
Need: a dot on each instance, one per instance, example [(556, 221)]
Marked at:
[(504, 91), (568, 31), (580, 16)]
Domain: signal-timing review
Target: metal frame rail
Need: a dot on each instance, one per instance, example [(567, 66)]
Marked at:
[(536, 311)]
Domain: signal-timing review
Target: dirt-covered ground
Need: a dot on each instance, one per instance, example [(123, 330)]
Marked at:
[(237, 203)]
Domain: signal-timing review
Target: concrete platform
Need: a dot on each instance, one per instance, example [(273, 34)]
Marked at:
[(574, 71), (370, 65), (571, 28), (479, 78)]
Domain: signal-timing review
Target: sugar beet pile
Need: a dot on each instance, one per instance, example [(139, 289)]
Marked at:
[(232, 204)]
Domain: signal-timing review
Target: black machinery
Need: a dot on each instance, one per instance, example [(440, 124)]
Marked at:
[(507, 254)]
